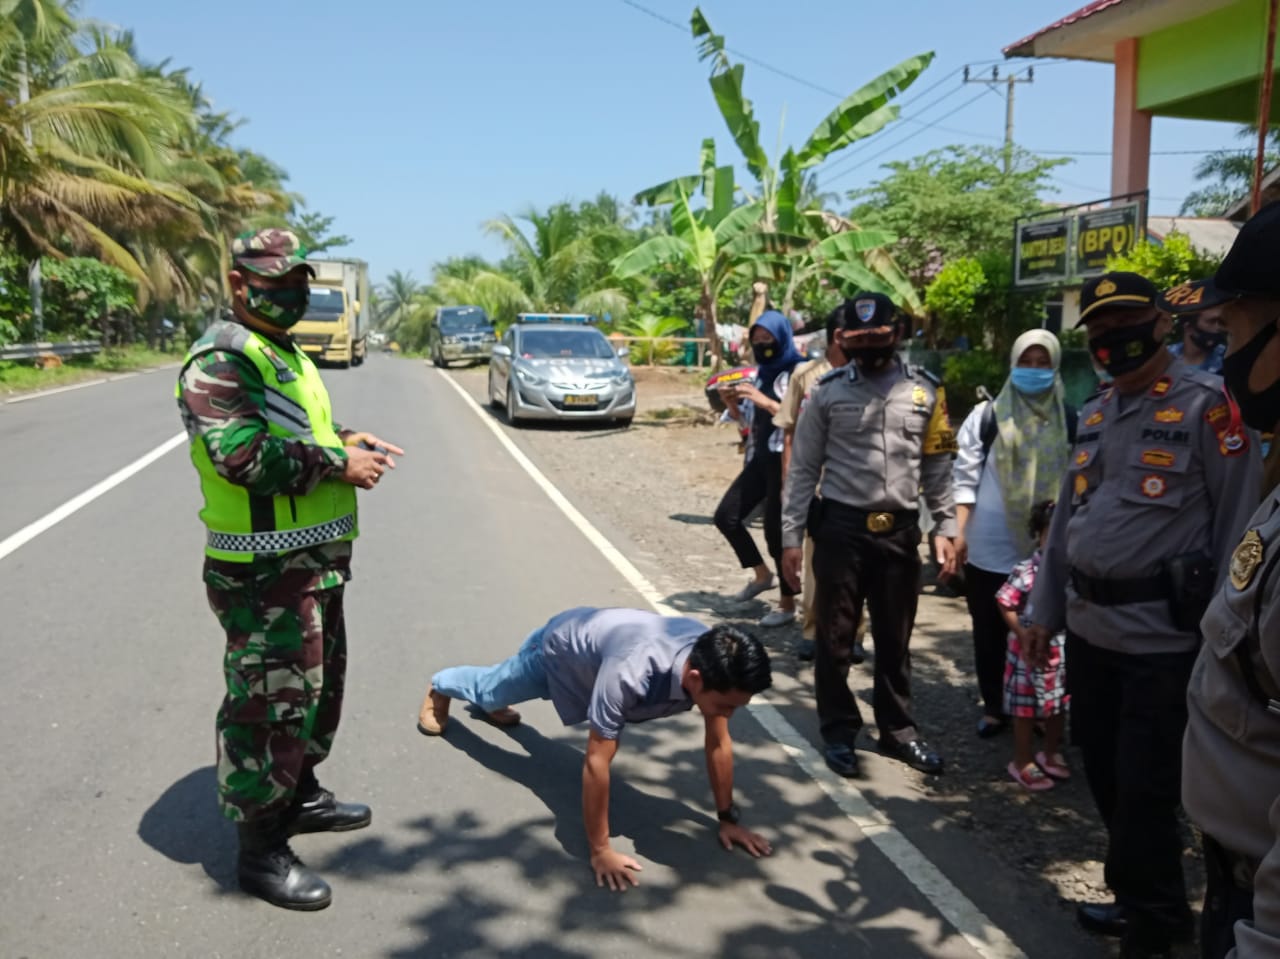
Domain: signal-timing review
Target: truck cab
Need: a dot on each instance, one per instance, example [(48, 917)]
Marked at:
[(333, 331)]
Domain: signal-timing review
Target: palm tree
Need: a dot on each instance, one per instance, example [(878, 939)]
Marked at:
[(397, 296)]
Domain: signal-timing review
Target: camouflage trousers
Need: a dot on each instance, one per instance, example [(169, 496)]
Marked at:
[(285, 667)]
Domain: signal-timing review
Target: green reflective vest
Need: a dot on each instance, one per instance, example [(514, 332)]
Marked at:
[(243, 526)]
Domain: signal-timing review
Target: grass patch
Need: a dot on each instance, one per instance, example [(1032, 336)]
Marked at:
[(23, 377)]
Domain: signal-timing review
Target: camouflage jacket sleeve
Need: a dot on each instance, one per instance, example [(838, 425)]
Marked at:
[(223, 403)]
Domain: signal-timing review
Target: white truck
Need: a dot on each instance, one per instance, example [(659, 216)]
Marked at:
[(336, 325)]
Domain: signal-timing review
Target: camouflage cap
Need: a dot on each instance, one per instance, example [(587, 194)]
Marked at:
[(270, 252)]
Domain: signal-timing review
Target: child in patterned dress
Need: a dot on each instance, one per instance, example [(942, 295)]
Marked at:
[(1033, 695)]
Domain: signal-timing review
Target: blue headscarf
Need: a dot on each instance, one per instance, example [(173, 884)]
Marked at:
[(785, 355)]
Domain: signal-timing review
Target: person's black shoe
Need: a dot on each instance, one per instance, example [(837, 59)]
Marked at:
[(804, 652), (841, 759), (988, 728), (267, 868), (1145, 944), (1102, 918), (915, 754), (858, 656), (316, 810)]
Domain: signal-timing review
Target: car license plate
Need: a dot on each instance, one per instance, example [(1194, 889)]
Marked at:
[(581, 399), (471, 348)]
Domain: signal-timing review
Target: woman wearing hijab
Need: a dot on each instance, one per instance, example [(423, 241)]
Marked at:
[(761, 478), (1012, 455)]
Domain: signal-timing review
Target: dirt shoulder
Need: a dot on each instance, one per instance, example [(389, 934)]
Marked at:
[(653, 489)]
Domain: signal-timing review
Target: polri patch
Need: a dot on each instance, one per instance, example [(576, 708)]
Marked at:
[(1153, 486)]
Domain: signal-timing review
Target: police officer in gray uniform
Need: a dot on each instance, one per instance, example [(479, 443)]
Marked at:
[(876, 431), (1231, 756), (1159, 484)]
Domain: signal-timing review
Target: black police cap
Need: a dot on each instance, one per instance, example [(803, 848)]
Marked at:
[(1116, 291), (1249, 268), (867, 311)]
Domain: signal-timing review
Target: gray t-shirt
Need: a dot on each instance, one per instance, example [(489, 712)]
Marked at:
[(617, 666)]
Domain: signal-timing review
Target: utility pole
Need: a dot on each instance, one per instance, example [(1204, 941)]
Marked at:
[(1009, 83)]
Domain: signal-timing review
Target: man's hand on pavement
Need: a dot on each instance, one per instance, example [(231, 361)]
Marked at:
[(792, 561), (615, 869), (732, 834)]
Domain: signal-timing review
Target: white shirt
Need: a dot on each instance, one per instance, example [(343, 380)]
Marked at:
[(991, 547)]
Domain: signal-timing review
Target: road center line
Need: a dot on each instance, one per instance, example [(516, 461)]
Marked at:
[(978, 931), (50, 520)]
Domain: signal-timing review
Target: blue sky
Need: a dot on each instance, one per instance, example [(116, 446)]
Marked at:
[(414, 122)]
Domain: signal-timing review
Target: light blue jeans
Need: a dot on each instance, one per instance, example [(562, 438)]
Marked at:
[(516, 680)]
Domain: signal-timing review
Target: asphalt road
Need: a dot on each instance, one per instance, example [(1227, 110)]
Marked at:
[(113, 845)]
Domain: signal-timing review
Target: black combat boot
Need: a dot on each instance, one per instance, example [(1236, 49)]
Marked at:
[(315, 810), (268, 868)]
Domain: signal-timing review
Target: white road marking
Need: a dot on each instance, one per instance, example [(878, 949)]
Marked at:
[(79, 386), (987, 940), (50, 520)]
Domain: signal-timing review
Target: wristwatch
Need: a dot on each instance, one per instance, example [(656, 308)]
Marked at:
[(730, 815)]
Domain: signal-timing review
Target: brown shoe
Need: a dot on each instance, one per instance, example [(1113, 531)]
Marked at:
[(434, 714), (506, 716)]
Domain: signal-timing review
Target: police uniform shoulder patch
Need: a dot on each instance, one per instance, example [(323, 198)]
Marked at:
[(935, 380), (1246, 559)]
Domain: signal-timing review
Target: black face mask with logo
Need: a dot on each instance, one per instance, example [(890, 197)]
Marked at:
[(1258, 410), (764, 352), (1206, 341), (1126, 348)]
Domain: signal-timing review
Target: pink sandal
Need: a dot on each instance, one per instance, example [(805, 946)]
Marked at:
[(1055, 766), (1031, 777)]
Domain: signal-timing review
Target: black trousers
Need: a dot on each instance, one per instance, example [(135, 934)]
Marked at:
[(1128, 714), (852, 566), (759, 481), (990, 635), (1228, 899)]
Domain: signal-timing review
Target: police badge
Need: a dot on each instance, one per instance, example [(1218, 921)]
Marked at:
[(1246, 559)]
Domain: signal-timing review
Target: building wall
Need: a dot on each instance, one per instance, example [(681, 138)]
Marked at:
[(1207, 68)]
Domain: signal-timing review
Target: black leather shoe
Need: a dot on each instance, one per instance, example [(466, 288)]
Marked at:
[(841, 759), (804, 652), (1102, 918), (318, 811), (915, 754), (267, 868), (858, 655)]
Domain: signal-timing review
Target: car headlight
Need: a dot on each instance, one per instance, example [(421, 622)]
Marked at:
[(528, 376), (622, 377), (451, 340)]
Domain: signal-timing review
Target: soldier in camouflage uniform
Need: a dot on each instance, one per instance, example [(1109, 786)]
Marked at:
[(279, 478)]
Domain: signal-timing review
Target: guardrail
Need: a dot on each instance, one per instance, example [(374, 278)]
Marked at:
[(31, 351)]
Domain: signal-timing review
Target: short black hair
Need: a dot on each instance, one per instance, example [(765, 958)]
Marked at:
[(835, 321), (728, 658), (1041, 515)]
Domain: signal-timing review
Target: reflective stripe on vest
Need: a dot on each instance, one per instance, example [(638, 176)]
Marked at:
[(241, 525)]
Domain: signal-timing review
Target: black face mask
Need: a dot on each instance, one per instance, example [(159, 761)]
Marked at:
[(872, 358), (1126, 349), (763, 352), (1259, 410), (1206, 341)]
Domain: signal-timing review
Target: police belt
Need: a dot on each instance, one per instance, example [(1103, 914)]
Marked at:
[(878, 522), (1120, 592)]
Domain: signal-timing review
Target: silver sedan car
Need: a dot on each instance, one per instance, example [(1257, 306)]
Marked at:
[(560, 371)]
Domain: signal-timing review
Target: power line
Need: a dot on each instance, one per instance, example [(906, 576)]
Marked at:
[(899, 143)]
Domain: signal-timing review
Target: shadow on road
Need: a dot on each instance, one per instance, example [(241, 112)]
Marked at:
[(184, 825)]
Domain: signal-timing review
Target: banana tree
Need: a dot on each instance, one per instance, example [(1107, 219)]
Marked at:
[(862, 113), (713, 248)]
